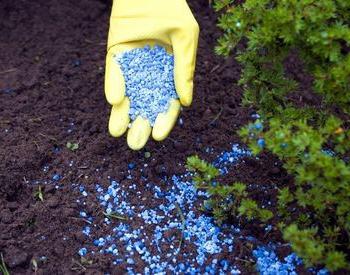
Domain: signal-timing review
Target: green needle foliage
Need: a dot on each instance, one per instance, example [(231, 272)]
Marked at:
[(270, 29), (313, 142), (204, 172), (226, 201), (317, 206)]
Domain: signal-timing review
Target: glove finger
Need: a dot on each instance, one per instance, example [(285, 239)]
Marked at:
[(114, 80), (166, 121), (119, 118), (139, 133), (184, 47)]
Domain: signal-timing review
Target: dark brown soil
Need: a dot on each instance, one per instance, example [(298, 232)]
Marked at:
[(51, 92)]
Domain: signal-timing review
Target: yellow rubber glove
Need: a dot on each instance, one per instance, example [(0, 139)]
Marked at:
[(134, 24)]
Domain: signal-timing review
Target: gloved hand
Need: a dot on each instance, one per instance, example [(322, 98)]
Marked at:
[(134, 24)]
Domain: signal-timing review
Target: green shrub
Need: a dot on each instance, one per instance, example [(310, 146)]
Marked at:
[(320, 195), (318, 30), (313, 143), (225, 200)]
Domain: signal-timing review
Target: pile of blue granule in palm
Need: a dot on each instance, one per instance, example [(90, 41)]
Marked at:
[(149, 81)]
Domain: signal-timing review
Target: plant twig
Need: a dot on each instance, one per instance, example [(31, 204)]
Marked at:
[(79, 266), (183, 224), (94, 43), (36, 144), (49, 137), (246, 261), (115, 216), (85, 220), (217, 116), (39, 194), (173, 140), (35, 119), (8, 71), (83, 167), (215, 68), (35, 266), (3, 267)]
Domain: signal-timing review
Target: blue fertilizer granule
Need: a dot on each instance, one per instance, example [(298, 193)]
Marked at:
[(269, 264), (149, 81)]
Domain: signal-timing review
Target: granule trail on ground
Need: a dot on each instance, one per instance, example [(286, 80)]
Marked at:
[(175, 212)]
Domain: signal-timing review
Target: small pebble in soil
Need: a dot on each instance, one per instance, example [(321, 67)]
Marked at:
[(149, 81)]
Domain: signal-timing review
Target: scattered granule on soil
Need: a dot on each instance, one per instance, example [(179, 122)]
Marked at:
[(165, 231)]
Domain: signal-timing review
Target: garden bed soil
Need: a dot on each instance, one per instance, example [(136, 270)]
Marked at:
[(51, 92)]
